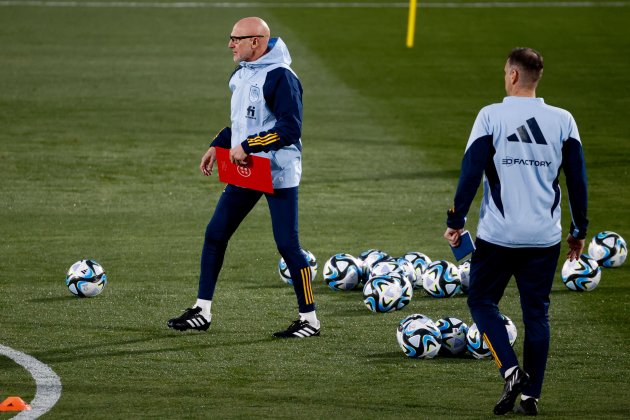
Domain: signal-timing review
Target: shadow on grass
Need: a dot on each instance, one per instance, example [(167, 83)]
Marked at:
[(53, 299), (99, 350)]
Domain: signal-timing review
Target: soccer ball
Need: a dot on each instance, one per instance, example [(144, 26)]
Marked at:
[(453, 331), (342, 272), (441, 279), (477, 346), (464, 275), (86, 278), (368, 259), (420, 263), (419, 337), (283, 268), (388, 267), (407, 270), (608, 248), (581, 275), (387, 293)]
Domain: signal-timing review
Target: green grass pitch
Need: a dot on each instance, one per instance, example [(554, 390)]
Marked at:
[(104, 115)]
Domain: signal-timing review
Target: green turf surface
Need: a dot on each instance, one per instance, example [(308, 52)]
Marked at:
[(104, 115)]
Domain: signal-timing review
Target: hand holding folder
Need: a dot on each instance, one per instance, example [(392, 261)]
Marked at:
[(255, 175), (465, 247)]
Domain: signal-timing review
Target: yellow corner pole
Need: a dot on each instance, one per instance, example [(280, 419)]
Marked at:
[(411, 23)]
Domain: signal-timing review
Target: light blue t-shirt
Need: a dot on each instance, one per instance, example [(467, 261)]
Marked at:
[(518, 146)]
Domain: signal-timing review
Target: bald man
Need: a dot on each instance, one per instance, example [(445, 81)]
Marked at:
[(266, 114)]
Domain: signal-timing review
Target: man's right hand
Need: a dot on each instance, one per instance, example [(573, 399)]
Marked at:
[(207, 161), (453, 236)]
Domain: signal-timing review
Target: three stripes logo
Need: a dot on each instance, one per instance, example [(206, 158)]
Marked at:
[(524, 136)]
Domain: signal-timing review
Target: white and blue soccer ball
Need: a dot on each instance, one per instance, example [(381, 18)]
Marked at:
[(283, 268), (464, 275), (419, 337), (608, 248), (406, 269), (391, 266), (342, 272), (419, 261), (387, 293), (86, 278), (441, 279), (581, 275), (453, 331), (368, 259), (478, 347)]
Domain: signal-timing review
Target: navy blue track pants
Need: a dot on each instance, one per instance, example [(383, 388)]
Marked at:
[(233, 206), (491, 268)]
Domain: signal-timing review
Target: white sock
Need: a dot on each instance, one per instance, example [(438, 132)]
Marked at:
[(310, 317), (527, 397), (509, 371), (205, 306)]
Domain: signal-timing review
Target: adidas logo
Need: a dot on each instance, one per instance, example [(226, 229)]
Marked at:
[(534, 128)]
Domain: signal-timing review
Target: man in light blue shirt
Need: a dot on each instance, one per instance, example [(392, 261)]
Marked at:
[(518, 147), (266, 117)]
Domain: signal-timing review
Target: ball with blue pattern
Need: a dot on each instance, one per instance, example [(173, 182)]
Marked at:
[(419, 261), (283, 268), (419, 337), (476, 345), (368, 259), (582, 274), (441, 279), (342, 272), (464, 275), (453, 332), (608, 248), (387, 293), (86, 278)]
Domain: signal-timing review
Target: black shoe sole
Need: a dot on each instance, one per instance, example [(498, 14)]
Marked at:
[(281, 335), (186, 327)]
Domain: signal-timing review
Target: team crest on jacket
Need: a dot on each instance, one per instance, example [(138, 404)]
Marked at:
[(254, 93)]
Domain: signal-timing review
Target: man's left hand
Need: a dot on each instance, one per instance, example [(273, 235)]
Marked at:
[(238, 155), (576, 246)]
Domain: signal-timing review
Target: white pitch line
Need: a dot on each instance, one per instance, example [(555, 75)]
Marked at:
[(48, 383), (313, 5)]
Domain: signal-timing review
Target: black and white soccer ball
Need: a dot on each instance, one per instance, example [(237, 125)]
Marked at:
[(419, 337), (387, 293), (581, 275), (283, 268), (420, 262), (342, 272), (453, 332), (441, 279), (368, 259), (478, 347), (464, 275), (86, 278), (608, 248)]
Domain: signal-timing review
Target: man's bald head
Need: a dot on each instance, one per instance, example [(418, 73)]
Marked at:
[(249, 39), (252, 26)]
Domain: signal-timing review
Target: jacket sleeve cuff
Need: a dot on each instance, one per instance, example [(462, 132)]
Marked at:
[(454, 221), (577, 233), (247, 148)]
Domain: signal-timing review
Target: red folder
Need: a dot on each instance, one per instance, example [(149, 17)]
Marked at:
[(256, 175)]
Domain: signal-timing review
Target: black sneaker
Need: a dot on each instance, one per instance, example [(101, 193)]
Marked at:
[(190, 319), (298, 329), (514, 385), (529, 407)]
